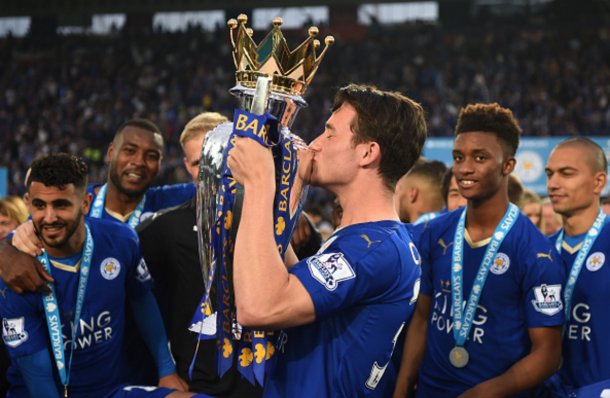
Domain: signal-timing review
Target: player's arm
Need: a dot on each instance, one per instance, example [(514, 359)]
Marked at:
[(539, 365), (414, 349), (37, 372), (21, 272), (266, 295), (148, 318)]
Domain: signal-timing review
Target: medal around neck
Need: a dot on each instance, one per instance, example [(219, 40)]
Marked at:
[(464, 317), (270, 82), (459, 357)]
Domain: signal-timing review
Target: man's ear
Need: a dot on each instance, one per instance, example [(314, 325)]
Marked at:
[(509, 166), (413, 194), (110, 152), (600, 182), (86, 203), (370, 154)]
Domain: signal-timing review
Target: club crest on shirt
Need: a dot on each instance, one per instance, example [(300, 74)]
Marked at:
[(548, 299), (595, 261), (143, 274), (330, 269), (500, 264), (110, 268), (13, 332)]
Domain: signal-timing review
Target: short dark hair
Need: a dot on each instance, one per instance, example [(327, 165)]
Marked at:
[(390, 119), (596, 158), (491, 118), (431, 170), (446, 183), (59, 170), (142, 123)]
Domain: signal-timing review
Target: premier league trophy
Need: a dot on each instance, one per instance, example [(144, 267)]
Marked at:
[(270, 82)]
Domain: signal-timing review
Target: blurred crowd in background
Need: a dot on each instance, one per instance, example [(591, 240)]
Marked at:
[(70, 93)]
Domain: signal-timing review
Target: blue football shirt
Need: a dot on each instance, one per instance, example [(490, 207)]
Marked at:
[(157, 198), (364, 283), (526, 272), (137, 363), (117, 269), (586, 346)]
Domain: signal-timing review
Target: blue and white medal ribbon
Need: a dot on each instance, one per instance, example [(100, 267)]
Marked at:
[(425, 218), (51, 310), (98, 207), (462, 322), (580, 258)]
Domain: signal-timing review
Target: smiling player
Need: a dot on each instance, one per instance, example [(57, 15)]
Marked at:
[(506, 338)]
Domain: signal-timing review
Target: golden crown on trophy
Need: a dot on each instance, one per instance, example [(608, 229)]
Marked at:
[(291, 71)]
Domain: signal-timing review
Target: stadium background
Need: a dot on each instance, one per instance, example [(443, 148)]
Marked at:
[(71, 71)]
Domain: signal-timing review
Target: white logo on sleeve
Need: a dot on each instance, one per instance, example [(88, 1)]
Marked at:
[(110, 268), (548, 299), (595, 261), (330, 269), (500, 264), (143, 274), (13, 332)]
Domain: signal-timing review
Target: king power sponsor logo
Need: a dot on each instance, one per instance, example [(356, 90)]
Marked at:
[(92, 331), (579, 323), (442, 318)]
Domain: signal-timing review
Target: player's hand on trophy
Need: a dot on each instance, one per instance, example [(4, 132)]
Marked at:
[(251, 163), (26, 240), (305, 155), (173, 381)]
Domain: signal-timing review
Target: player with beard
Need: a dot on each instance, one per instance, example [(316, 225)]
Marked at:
[(345, 306), (507, 337), (97, 265), (576, 176), (135, 157)]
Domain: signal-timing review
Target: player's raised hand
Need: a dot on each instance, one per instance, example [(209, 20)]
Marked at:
[(26, 240), (21, 272), (305, 155), (251, 163), (173, 381)]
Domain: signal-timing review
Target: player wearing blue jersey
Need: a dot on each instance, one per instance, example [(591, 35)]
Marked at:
[(576, 172), (69, 340), (344, 307), (134, 157), (505, 338)]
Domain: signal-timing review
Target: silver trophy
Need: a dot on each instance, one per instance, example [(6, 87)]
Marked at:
[(270, 79)]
